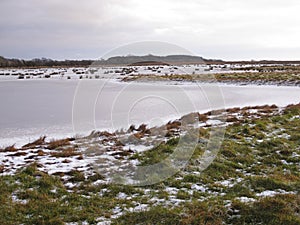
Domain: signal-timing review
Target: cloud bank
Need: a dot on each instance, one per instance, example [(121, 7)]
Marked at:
[(76, 29)]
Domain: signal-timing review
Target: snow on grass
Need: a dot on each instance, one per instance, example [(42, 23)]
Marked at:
[(270, 193), (198, 187), (245, 199), (232, 176)]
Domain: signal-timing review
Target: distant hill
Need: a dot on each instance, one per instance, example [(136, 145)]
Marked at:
[(170, 59), (149, 63)]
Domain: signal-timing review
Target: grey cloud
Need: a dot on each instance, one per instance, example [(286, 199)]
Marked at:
[(88, 29)]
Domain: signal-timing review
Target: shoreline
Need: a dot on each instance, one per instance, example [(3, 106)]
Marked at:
[(23, 140), (209, 119), (19, 141), (240, 74)]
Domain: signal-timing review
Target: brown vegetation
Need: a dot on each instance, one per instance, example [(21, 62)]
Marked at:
[(18, 154), (68, 152), (202, 117), (123, 153), (58, 143), (173, 125), (41, 153), (139, 135), (232, 119), (10, 148), (2, 167), (39, 141)]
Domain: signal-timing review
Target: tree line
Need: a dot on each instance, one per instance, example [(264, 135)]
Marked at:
[(42, 62)]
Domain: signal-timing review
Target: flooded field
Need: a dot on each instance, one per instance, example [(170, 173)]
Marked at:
[(58, 107)]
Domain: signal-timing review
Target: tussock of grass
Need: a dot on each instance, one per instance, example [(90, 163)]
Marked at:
[(2, 167), (281, 209), (58, 143), (67, 152), (10, 148), (35, 143), (156, 215)]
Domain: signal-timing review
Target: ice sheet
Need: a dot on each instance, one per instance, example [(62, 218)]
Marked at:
[(31, 108)]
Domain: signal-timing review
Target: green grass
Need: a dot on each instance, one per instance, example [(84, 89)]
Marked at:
[(278, 210), (256, 155)]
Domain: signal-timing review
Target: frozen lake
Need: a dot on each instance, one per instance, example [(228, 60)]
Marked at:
[(60, 108)]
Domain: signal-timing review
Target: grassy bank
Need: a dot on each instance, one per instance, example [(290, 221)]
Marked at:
[(255, 179), (274, 74)]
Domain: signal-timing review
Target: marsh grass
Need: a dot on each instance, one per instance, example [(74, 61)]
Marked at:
[(10, 148), (35, 143), (58, 143), (278, 210), (281, 76), (257, 155), (66, 152)]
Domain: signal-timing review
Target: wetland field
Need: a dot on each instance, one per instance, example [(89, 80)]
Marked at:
[(67, 133)]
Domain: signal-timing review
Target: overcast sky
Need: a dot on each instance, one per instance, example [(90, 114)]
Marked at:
[(224, 29)]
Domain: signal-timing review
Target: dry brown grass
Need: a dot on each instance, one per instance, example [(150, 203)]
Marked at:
[(67, 152), (2, 168), (173, 125), (293, 107), (80, 157), (202, 117), (233, 110), (142, 128), (39, 141), (232, 119), (10, 148), (41, 153), (18, 154), (123, 153), (139, 135), (58, 143), (66, 161)]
